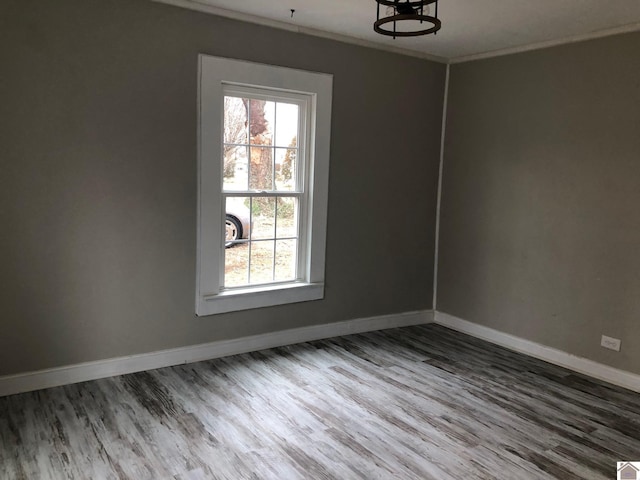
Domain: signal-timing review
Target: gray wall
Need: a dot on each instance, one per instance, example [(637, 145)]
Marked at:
[(98, 179), (540, 219)]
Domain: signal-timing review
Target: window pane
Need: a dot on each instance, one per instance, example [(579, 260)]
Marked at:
[(261, 168), (235, 169), (262, 261), (236, 265), (262, 120), (237, 219), (287, 224), (263, 211), (235, 120), (286, 124), (286, 260), (286, 169)]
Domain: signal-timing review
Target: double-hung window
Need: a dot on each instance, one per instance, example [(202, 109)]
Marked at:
[(263, 180)]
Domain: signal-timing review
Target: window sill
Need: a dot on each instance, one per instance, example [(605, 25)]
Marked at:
[(262, 296)]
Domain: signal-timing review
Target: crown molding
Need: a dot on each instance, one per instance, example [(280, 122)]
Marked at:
[(245, 17), (607, 32)]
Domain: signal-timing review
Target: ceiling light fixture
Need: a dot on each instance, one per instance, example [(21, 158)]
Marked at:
[(414, 14)]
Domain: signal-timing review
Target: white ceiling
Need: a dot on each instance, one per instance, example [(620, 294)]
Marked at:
[(470, 28)]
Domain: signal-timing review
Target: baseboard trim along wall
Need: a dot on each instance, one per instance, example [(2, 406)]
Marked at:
[(54, 377), (582, 365)]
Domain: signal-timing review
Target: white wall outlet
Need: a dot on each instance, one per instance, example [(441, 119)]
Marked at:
[(610, 343)]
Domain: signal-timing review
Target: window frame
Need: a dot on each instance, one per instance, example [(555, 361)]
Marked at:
[(217, 76)]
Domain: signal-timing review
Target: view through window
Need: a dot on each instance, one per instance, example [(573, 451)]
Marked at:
[(263, 186)]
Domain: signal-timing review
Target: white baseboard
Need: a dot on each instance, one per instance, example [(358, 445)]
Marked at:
[(54, 377), (582, 365)]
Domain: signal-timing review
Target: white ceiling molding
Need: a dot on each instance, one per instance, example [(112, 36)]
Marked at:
[(471, 31), (369, 44), (607, 32), (245, 17)]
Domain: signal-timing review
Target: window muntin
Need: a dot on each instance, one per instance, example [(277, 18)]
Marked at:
[(264, 165)]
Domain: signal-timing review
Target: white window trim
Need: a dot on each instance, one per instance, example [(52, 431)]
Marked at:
[(214, 73)]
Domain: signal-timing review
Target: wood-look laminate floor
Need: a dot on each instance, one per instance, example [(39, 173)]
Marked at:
[(412, 403)]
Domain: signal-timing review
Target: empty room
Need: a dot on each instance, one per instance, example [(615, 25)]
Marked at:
[(319, 239)]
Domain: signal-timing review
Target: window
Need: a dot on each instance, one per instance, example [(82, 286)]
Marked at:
[(263, 185), (263, 180)]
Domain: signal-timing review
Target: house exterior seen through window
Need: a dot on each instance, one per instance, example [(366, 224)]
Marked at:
[(263, 182)]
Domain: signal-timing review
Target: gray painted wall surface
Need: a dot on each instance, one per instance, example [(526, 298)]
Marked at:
[(540, 232), (98, 179)]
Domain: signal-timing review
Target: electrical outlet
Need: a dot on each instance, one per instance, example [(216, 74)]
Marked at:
[(610, 343)]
